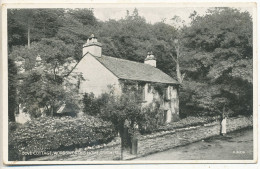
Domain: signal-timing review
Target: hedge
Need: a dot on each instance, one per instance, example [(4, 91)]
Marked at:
[(64, 133), (187, 122)]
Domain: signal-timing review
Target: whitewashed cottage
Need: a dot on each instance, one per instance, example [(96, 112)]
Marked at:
[(100, 71)]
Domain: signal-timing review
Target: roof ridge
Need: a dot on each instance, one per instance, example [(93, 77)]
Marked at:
[(138, 63)]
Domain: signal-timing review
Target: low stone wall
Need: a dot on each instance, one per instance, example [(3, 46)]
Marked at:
[(156, 142), (179, 137), (239, 123)]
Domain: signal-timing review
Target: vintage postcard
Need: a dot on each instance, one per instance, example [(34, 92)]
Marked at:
[(126, 83)]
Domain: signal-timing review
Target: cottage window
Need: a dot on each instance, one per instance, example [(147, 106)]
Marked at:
[(167, 93), (143, 91), (149, 86)]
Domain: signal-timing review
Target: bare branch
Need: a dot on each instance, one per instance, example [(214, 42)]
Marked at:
[(182, 76), (175, 60)]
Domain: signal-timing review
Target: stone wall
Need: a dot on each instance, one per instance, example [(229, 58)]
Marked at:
[(156, 142), (179, 137), (238, 123)]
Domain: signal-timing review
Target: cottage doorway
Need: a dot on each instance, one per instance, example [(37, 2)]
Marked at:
[(167, 116)]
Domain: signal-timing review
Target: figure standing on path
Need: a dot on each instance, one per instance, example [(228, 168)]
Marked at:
[(224, 126), (223, 123)]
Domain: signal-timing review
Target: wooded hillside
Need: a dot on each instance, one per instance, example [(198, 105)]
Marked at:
[(214, 53)]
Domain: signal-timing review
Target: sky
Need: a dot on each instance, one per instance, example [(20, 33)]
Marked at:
[(154, 14)]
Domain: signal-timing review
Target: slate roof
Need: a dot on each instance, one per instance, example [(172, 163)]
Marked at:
[(130, 70)]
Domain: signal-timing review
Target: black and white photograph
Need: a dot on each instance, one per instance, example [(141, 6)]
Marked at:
[(130, 83)]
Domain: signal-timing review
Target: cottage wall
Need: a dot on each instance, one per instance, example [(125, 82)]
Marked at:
[(97, 78), (173, 103), (170, 104)]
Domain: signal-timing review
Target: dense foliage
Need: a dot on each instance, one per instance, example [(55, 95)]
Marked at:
[(215, 54), (219, 63), (12, 87), (123, 111), (91, 104), (126, 110), (44, 72), (65, 133)]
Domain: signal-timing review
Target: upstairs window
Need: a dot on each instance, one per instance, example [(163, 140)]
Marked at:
[(167, 93), (143, 91)]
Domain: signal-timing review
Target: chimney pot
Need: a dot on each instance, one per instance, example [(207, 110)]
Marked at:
[(150, 59), (92, 46)]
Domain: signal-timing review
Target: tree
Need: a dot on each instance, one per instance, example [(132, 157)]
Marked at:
[(176, 59), (74, 33), (118, 109), (16, 33), (47, 64), (124, 112), (127, 38), (163, 46), (84, 16), (220, 59), (32, 25), (47, 23), (91, 104), (179, 49)]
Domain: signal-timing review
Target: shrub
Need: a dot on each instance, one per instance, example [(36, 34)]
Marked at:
[(152, 118), (65, 133), (12, 126), (91, 104)]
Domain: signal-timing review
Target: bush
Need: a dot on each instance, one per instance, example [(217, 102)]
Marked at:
[(65, 133), (91, 104), (12, 126), (152, 118)]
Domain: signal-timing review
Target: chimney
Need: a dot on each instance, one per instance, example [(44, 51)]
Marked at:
[(38, 61), (92, 46), (150, 59)]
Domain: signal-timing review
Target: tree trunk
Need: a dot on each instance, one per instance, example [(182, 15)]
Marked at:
[(180, 76), (28, 34), (178, 72)]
